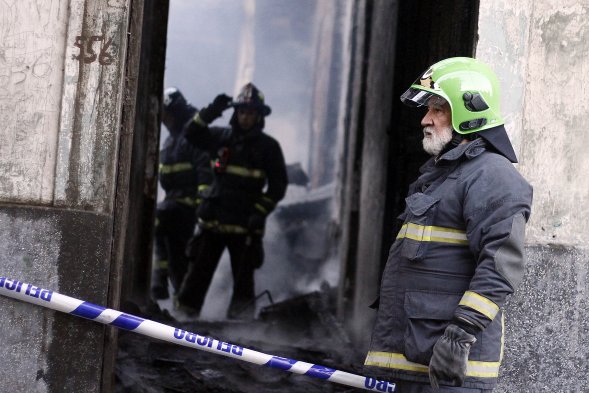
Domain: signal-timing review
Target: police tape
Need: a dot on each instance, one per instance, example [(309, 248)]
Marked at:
[(55, 301)]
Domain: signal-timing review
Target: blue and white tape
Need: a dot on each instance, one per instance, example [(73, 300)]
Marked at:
[(46, 298)]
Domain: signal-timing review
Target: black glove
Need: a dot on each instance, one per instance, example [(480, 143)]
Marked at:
[(194, 243), (256, 223), (450, 357), (215, 109)]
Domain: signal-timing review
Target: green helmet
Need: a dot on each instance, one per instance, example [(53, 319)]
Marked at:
[(470, 87)]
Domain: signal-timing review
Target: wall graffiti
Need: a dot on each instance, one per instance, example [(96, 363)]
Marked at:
[(87, 52), (28, 92), (40, 108)]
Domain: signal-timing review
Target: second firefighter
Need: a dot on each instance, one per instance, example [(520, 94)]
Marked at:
[(249, 179)]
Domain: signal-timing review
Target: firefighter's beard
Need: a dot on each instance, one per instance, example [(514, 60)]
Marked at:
[(434, 142)]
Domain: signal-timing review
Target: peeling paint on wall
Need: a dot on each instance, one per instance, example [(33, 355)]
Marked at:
[(545, 57), (539, 49), (31, 55), (61, 86), (90, 114), (557, 103), (503, 43), (59, 101)]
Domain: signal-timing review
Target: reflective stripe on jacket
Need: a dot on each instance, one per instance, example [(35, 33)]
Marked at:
[(249, 176), (183, 168), (458, 255)]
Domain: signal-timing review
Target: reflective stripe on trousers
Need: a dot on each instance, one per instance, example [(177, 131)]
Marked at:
[(226, 228), (398, 361)]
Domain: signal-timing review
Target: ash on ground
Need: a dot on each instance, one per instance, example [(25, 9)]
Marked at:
[(302, 328)]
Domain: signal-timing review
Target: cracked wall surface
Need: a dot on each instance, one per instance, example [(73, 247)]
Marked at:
[(539, 51), (61, 79)]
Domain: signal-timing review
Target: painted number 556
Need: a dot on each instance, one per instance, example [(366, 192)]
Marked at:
[(87, 52)]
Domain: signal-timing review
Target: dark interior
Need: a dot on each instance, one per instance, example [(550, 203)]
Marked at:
[(426, 33)]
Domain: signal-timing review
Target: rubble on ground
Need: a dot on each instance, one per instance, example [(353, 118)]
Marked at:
[(302, 328)]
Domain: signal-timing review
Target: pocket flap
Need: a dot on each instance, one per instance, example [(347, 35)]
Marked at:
[(419, 203), (431, 305)]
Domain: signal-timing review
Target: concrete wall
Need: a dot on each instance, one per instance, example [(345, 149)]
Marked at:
[(539, 50), (62, 82), (31, 55), (62, 86)]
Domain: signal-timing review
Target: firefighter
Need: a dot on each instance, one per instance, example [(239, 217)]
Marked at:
[(249, 180), (460, 250), (183, 170)]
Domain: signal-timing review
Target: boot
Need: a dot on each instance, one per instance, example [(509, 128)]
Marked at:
[(159, 284)]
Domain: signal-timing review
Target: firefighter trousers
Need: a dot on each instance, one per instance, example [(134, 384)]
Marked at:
[(202, 266), (174, 227)]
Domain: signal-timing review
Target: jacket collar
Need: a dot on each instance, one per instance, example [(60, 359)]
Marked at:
[(238, 135), (495, 139), (469, 150)]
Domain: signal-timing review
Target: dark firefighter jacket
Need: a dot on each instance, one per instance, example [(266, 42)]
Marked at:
[(459, 253), (249, 176), (183, 169)]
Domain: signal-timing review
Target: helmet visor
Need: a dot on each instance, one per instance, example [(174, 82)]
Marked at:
[(416, 98)]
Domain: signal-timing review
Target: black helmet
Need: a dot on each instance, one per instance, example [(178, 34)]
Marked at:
[(174, 101), (251, 96)]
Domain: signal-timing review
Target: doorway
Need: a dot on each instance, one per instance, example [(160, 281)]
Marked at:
[(388, 41), (394, 41), (295, 56)]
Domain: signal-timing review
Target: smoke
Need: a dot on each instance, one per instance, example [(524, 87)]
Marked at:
[(216, 46), (246, 62)]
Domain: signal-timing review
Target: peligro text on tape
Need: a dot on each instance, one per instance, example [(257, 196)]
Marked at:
[(208, 342), (49, 299), (30, 290)]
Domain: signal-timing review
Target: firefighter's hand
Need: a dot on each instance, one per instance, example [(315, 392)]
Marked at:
[(450, 357), (216, 108), (193, 244), (222, 102), (256, 222)]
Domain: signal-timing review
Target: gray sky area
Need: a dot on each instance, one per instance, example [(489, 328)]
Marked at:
[(203, 59), (216, 46)]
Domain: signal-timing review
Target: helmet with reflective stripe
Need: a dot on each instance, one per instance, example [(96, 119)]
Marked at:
[(468, 85), (250, 96)]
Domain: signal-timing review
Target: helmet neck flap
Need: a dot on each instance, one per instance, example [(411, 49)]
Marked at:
[(472, 90), (497, 137)]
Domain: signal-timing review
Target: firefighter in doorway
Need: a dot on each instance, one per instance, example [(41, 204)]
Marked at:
[(183, 171), (249, 179), (460, 250)]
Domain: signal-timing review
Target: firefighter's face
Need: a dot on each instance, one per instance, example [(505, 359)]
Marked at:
[(247, 118), (437, 126)]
